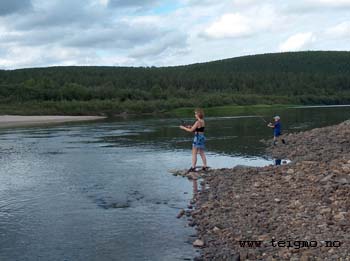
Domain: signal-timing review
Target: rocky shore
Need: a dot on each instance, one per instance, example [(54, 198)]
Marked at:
[(295, 211)]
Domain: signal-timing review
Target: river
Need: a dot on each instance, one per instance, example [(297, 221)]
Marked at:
[(102, 191)]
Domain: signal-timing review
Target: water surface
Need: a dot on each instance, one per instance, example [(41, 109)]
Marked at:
[(101, 191)]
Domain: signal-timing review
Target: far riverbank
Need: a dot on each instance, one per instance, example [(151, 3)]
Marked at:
[(7, 121)]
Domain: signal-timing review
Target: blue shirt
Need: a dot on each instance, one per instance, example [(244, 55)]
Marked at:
[(277, 129)]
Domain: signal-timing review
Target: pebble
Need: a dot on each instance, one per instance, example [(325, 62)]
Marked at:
[(216, 229), (181, 213), (198, 243), (290, 171), (340, 216)]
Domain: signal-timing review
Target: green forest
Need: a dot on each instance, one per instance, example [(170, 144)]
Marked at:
[(309, 78)]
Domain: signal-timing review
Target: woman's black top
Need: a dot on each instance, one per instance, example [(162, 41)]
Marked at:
[(201, 129)]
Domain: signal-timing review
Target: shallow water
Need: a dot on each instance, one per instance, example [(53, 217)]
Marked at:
[(101, 191)]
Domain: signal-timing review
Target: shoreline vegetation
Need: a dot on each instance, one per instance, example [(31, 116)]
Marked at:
[(227, 110), (295, 211), (9, 121), (18, 118), (111, 108)]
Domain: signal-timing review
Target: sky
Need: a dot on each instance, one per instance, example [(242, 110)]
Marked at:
[(40, 33)]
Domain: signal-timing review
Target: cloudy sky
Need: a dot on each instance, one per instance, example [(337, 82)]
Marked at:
[(37, 33)]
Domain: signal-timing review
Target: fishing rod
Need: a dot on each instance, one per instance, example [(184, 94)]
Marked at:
[(257, 115)]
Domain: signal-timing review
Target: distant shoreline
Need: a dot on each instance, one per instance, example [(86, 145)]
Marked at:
[(7, 121)]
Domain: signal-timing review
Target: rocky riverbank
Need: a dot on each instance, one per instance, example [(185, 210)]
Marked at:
[(296, 211)]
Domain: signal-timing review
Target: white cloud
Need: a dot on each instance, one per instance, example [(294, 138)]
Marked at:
[(297, 42), (244, 2), (200, 2), (247, 23), (104, 2), (230, 25), (339, 31), (167, 43), (144, 20), (20, 56), (120, 36), (25, 57), (330, 3), (154, 32)]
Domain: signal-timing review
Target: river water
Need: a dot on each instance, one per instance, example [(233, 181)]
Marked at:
[(102, 191)]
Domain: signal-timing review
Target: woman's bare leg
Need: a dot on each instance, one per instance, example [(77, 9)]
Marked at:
[(194, 157), (204, 159)]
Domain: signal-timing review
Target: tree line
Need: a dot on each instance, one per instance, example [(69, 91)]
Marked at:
[(316, 77)]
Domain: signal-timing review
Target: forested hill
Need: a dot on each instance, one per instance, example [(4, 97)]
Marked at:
[(308, 62), (317, 77)]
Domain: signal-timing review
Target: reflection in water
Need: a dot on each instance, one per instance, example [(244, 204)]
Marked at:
[(195, 187)]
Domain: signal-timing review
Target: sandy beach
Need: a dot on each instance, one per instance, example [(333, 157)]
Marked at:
[(18, 121)]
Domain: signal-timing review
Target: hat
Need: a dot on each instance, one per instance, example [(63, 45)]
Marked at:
[(277, 117)]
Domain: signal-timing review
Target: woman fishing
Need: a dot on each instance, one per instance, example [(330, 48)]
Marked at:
[(198, 144)]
